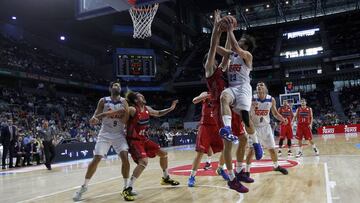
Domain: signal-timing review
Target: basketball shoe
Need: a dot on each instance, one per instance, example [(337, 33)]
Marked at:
[(226, 134), (236, 185), (222, 173), (299, 154), (244, 177), (279, 152), (316, 151), (191, 181), (169, 181), (78, 194), (207, 166), (127, 194), (290, 153), (281, 170)]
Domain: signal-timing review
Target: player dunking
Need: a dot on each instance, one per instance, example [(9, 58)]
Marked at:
[(208, 137), (304, 117), (140, 146), (286, 129), (261, 107), (112, 133)]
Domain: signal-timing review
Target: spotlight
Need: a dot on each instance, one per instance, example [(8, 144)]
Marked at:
[(211, 16), (13, 17), (62, 38), (247, 10), (267, 6), (286, 2), (229, 13)]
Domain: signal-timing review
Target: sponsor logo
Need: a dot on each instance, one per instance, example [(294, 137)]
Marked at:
[(234, 68), (328, 130), (350, 129), (261, 112)]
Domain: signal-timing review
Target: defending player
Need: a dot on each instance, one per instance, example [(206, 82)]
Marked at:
[(304, 117), (208, 137), (286, 130), (140, 146)]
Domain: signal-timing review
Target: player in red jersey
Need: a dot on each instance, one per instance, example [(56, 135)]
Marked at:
[(286, 130), (304, 116), (207, 138), (140, 146), (216, 84)]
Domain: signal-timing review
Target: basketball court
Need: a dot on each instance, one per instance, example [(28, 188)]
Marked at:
[(328, 178)]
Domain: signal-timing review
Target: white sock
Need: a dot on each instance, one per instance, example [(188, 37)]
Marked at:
[(126, 182), (247, 168), (209, 159), (276, 164), (221, 166), (193, 173), (86, 182), (254, 137), (227, 120), (132, 181), (165, 173), (231, 175), (238, 167), (314, 146)]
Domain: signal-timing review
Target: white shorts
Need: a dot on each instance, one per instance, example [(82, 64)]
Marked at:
[(265, 136), (242, 97), (103, 145)]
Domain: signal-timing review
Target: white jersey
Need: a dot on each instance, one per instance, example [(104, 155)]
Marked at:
[(112, 127), (239, 72), (260, 110)]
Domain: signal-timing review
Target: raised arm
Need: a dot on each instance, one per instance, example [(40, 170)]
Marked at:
[(235, 46), (100, 108), (225, 59), (159, 113), (276, 113), (201, 97), (215, 38)]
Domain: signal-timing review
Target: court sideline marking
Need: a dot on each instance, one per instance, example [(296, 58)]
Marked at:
[(327, 183)]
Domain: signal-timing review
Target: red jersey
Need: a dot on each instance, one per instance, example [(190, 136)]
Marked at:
[(207, 112), (286, 112), (139, 124), (216, 84), (304, 116)]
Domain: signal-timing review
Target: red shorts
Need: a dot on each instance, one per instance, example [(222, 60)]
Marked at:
[(286, 132), (142, 148), (236, 125), (303, 131), (208, 136)]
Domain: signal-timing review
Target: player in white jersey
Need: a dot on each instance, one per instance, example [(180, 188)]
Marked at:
[(262, 105), (112, 133), (238, 96)]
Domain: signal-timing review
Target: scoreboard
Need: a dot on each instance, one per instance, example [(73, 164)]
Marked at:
[(135, 62)]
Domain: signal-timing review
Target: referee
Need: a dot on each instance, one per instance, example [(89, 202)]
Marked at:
[(47, 135)]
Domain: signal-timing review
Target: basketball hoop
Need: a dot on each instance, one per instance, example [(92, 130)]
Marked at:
[(142, 17)]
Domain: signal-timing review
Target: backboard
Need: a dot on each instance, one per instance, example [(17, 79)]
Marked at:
[(86, 9)]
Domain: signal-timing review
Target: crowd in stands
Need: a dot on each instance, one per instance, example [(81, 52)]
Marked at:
[(21, 56), (350, 101)]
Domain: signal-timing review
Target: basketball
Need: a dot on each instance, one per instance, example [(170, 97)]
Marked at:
[(226, 21)]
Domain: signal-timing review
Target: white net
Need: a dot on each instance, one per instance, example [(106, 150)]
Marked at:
[(142, 17)]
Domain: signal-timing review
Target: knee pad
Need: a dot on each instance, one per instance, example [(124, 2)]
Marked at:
[(245, 117)]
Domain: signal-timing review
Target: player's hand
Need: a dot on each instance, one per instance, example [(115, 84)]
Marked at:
[(217, 18), (284, 121), (94, 120), (173, 105)]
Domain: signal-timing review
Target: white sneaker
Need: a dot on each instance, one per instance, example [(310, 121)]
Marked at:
[(299, 154), (316, 151), (279, 153), (78, 194), (133, 192)]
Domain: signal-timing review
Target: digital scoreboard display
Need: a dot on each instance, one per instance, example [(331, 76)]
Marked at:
[(135, 63)]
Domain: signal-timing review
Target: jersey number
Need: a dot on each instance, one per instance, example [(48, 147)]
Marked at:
[(232, 77), (115, 123), (142, 132)]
